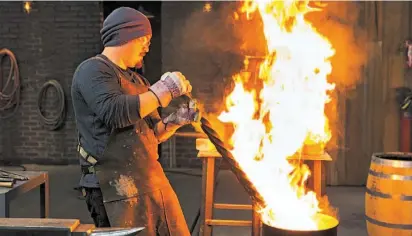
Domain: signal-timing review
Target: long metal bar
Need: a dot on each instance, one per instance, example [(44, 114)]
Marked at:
[(13, 175), (234, 166)]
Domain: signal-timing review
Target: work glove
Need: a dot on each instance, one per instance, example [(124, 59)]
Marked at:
[(185, 114), (170, 85)]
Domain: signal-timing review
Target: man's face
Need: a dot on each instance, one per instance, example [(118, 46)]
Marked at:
[(137, 50)]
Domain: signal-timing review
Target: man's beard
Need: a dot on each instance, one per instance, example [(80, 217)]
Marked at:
[(139, 64)]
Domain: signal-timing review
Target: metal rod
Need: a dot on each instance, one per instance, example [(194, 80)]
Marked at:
[(234, 165), (14, 174)]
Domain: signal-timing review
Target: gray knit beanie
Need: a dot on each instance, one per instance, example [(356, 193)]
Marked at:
[(123, 25)]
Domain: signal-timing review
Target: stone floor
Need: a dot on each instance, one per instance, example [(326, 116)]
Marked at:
[(65, 204)]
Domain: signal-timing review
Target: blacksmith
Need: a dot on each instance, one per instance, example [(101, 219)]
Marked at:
[(120, 128)]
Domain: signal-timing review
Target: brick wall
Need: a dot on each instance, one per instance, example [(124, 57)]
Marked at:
[(49, 43), (204, 46)]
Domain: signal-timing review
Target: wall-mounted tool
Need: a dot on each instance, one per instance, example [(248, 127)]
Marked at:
[(52, 123), (9, 89)]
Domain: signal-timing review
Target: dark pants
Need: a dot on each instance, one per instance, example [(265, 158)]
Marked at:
[(95, 205)]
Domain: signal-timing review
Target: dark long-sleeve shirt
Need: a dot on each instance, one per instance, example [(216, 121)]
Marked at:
[(99, 106)]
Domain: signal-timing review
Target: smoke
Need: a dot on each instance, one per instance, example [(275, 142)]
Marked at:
[(210, 49), (339, 22), (211, 46)]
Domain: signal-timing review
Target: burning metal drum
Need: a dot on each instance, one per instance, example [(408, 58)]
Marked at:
[(327, 227)]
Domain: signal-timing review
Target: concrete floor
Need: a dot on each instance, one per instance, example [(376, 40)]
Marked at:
[(65, 204)]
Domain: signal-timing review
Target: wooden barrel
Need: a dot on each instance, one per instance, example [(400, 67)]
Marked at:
[(388, 199)]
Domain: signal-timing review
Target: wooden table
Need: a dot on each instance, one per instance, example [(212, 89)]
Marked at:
[(36, 179)]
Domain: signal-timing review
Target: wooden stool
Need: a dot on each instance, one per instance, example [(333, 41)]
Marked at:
[(209, 154)]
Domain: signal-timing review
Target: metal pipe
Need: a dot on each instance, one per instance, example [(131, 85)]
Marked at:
[(234, 165)]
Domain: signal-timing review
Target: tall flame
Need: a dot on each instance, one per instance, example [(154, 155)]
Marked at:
[(275, 122)]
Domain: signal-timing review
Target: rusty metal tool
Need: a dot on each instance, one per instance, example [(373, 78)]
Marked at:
[(234, 165), (3, 179), (7, 174), (214, 137), (227, 156)]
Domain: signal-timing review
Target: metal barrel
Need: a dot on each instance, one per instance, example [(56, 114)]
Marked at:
[(329, 228)]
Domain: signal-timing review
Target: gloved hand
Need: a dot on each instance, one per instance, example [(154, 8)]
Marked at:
[(170, 85), (185, 114)]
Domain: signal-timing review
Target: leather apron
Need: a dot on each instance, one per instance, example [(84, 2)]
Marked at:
[(136, 191)]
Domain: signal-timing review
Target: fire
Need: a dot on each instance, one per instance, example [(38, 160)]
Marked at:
[(207, 7), (275, 122), (27, 6)]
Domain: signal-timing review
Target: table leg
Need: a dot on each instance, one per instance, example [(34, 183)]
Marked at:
[(317, 178), (4, 206), (208, 174), (44, 199)]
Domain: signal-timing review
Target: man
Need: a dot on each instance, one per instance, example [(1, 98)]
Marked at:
[(119, 131)]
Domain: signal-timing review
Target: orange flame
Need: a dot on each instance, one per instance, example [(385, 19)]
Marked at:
[(207, 7), (27, 7), (274, 123)]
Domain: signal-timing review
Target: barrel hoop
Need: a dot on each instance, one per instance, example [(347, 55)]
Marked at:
[(388, 196), (393, 163), (390, 176), (387, 225)]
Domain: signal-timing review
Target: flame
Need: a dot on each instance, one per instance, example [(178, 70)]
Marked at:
[(275, 122), (27, 7), (207, 7)]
